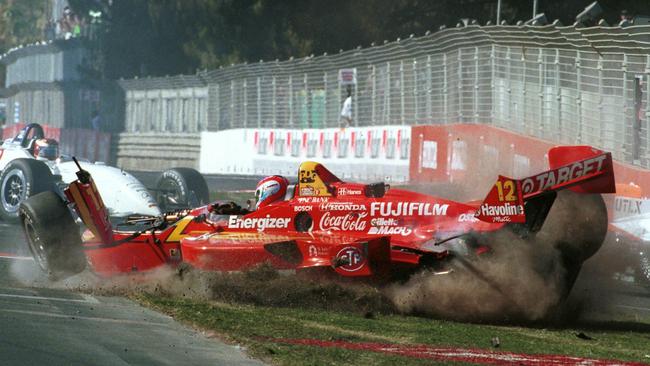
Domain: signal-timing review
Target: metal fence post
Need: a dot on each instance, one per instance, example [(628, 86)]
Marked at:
[(373, 102), (387, 93), (245, 97), (601, 120), (579, 98), (445, 106), (290, 87), (401, 91), (558, 97), (325, 114), (274, 122), (460, 86), (647, 114), (415, 92), (509, 85), (476, 87), (626, 143), (306, 86), (429, 84), (524, 121), (259, 102), (540, 65), (493, 72), (217, 100), (231, 122)]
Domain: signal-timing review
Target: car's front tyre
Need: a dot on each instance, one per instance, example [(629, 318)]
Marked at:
[(52, 235), (181, 188)]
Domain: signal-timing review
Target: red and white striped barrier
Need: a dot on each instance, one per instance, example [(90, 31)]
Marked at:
[(364, 153)]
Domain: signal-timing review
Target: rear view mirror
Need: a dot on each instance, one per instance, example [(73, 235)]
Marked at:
[(376, 190)]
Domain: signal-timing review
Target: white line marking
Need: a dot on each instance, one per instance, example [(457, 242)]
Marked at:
[(633, 307), (74, 317), (29, 297), (90, 298), (16, 257)]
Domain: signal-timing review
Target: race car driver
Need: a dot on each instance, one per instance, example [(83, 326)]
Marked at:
[(270, 189), (44, 149)]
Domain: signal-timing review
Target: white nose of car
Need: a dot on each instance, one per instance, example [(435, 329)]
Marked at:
[(122, 193)]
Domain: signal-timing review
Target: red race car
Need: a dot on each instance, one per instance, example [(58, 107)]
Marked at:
[(321, 222)]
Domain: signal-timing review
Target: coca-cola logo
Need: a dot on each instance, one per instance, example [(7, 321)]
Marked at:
[(350, 222)]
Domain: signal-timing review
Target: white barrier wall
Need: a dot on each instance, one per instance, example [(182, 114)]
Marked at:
[(379, 153)]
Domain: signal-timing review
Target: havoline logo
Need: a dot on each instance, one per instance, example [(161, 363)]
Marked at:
[(506, 209)]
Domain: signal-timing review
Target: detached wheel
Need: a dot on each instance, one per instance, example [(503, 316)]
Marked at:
[(52, 235), (21, 179), (181, 188)]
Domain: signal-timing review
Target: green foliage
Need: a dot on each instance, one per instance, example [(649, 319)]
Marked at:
[(21, 21), (145, 37)]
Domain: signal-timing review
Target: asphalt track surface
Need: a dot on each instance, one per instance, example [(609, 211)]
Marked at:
[(42, 325), (46, 326)]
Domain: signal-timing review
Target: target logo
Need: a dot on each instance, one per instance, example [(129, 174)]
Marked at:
[(351, 259)]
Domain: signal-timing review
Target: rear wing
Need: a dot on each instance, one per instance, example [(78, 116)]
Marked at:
[(581, 169), (89, 205)]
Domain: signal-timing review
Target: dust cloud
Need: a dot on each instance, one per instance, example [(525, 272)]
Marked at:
[(510, 284)]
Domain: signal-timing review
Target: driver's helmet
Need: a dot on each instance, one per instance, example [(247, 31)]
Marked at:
[(46, 149), (270, 189)]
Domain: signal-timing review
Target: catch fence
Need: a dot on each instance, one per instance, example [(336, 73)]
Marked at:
[(563, 84)]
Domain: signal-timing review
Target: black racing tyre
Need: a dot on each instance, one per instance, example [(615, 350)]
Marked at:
[(576, 227), (52, 235), (181, 188), (21, 179)]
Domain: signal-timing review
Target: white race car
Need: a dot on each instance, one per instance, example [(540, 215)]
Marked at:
[(31, 163)]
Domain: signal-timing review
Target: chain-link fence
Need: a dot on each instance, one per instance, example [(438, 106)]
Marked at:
[(569, 85)]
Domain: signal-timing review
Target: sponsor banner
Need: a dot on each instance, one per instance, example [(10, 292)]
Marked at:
[(378, 153)]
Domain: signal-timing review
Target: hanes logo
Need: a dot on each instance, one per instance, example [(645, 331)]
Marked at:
[(345, 191)]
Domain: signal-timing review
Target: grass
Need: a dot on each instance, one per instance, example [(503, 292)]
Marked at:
[(258, 308), (253, 326)]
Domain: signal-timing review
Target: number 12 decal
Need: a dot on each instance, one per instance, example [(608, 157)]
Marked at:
[(508, 188)]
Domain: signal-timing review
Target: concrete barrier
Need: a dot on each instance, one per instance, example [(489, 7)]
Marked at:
[(155, 151)]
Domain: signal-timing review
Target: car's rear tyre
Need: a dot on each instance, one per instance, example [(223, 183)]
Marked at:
[(576, 226), (52, 235), (21, 179), (181, 188)]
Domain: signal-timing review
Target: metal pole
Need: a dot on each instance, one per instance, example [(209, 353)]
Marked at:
[(498, 12), (534, 8)]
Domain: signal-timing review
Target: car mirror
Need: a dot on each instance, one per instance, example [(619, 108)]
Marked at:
[(376, 190)]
